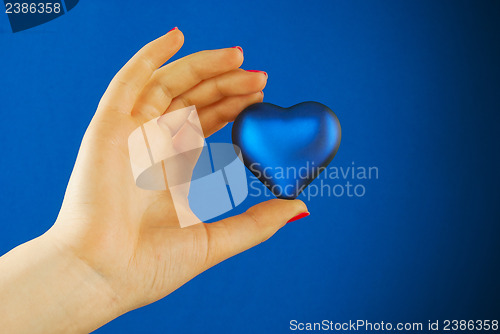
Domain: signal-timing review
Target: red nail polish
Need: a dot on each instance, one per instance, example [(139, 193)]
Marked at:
[(299, 216), (238, 47), (174, 28), (257, 71)]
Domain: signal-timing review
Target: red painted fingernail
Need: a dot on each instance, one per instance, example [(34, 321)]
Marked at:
[(257, 71), (173, 29), (238, 47), (299, 216)]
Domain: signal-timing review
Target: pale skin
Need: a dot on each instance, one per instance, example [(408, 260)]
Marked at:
[(115, 247)]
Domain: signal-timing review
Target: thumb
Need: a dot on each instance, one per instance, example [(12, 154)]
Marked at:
[(236, 234)]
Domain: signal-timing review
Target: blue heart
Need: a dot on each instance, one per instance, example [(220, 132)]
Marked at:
[(287, 148)]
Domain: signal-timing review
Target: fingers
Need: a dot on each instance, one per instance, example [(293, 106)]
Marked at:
[(234, 235), (178, 77), (217, 115), (236, 82), (123, 90)]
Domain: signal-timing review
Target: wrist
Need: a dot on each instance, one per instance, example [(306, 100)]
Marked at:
[(51, 290), (89, 299)]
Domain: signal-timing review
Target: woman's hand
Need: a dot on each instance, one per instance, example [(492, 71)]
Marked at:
[(114, 246)]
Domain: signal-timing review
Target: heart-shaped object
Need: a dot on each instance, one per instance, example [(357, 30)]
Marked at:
[(287, 148)]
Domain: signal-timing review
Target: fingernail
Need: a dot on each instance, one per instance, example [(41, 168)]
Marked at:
[(257, 71), (238, 47), (174, 28), (299, 216)]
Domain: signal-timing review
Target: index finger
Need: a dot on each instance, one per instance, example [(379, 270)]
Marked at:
[(130, 80)]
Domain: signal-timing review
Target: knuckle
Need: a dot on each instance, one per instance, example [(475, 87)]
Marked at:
[(148, 111), (259, 225), (164, 87), (185, 101), (125, 85), (147, 63), (219, 88)]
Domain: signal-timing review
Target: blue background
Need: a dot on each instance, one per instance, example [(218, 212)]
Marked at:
[(416, 87)]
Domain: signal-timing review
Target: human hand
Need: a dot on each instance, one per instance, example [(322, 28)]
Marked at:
[(128, 238)]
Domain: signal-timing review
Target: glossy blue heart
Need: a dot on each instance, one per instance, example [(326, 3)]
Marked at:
[(287, 148)]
